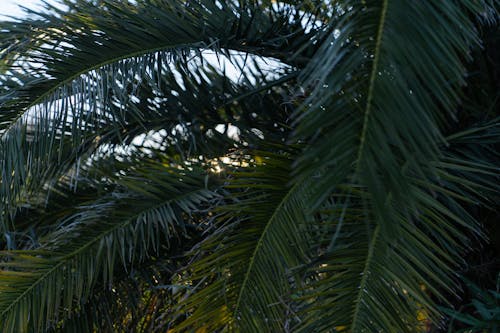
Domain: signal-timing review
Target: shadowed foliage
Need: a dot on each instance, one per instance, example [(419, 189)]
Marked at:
[(247, 166)]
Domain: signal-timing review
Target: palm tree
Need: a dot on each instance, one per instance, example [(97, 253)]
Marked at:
[(253, 166)]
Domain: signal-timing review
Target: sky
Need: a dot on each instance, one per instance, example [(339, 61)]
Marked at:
[(11, 7)]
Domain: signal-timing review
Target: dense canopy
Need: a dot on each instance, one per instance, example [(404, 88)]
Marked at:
[(247, 166)]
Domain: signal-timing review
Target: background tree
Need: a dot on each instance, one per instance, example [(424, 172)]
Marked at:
[(251, 166)]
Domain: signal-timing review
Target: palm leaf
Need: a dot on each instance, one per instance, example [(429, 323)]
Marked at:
[(67, 93), (360, 229), (121, 227), (375, 123), (240, 279)]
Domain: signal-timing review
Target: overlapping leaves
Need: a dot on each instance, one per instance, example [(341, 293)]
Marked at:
[(125, 226), (353, 222), (75, 75)]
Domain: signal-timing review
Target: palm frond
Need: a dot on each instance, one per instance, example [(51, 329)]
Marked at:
[(355, 219), (141, 298), (40, 285), (378, 106), (76, 74), (240, 272)]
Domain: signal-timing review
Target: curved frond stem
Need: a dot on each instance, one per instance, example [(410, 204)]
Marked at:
[(259, 244), (72, 77), (364, 280), (88, 248), (372, 81)]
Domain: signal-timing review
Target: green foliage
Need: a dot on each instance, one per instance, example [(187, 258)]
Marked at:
[(246, 166), (486, 306)]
